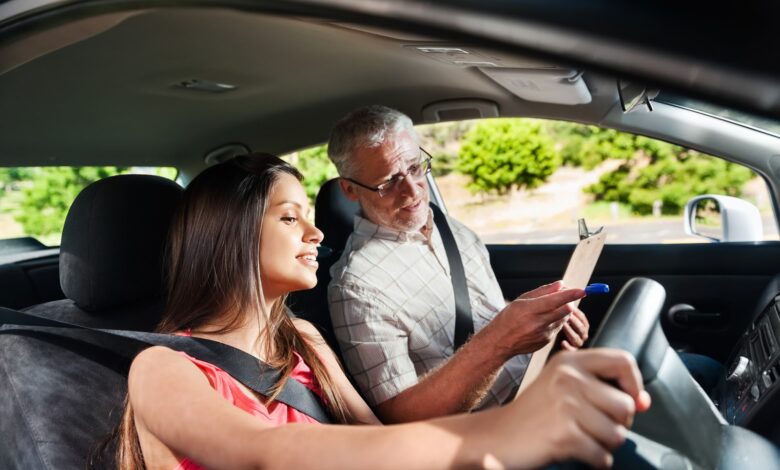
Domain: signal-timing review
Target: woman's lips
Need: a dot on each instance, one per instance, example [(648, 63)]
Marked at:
[(309, 260)]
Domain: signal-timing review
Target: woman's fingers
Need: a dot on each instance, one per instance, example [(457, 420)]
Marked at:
[(616, 365), (567, 346), (572, 413), (587, 449), (643, 401), (599, 426), (602, 412), (616, 404)]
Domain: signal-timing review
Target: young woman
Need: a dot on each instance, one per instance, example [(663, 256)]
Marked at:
[(239, 244)]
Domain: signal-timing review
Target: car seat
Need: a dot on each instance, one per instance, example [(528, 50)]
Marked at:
[(334, 215), (60, 396)]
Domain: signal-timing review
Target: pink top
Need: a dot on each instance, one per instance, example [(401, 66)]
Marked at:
[(276, 413)]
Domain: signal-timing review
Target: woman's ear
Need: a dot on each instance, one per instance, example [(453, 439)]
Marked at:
[(348, 189)]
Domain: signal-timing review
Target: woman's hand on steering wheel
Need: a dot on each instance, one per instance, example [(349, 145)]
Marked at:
[(573, 412)]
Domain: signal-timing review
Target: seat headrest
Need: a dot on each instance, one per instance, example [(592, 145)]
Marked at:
[(334, 214), (114, 239)]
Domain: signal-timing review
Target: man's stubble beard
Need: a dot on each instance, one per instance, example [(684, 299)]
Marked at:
[(398, 221)]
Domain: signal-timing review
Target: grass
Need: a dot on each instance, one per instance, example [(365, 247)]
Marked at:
[(603, 210)]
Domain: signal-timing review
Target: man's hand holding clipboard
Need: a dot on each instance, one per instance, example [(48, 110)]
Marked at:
[(578, 272)]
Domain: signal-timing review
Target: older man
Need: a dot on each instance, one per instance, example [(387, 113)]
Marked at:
[(391, 297)]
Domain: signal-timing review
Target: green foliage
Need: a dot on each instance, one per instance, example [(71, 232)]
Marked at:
[(664, 172), (11, 177), (315, 166), (442, 141), (503, 154), (588, 146), (165, 171), (48, 193), (653, 170), (443, 163), (603, 210), (39, 198)]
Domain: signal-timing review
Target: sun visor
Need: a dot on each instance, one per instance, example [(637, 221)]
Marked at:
[(555, 86)]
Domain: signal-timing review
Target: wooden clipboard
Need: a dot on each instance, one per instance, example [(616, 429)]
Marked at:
[(577, 275)]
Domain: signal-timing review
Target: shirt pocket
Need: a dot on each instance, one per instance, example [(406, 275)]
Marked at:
[(483, 311)]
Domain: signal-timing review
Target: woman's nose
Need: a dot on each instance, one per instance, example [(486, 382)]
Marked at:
[(314, 235)]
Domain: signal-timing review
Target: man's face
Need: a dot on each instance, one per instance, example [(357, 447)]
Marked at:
[(405, 208)]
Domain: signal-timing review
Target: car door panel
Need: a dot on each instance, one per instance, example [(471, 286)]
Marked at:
[(727, 279), (31, 281)]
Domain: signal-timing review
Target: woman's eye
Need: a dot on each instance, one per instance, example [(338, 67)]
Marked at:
[(289, 220)]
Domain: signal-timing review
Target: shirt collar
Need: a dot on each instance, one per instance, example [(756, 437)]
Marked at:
[(366, 228)]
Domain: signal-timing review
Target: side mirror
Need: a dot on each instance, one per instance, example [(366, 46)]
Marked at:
[(723, 219)]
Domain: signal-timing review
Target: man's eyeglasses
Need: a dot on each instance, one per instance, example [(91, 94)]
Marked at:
[(414, 172)]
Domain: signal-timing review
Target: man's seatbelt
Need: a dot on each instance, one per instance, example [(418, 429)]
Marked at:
[(244, 367), (464, 324)]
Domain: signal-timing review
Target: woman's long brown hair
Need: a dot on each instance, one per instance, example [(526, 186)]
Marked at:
[(214, 277)]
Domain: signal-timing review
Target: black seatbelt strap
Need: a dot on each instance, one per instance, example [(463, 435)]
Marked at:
[(244, 367), (464, 324)]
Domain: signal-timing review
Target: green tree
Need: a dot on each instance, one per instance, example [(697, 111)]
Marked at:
[(315, 166), (659, 171), (10, 178), (47, 194), (499, 155), (442, 141), (588, 146)]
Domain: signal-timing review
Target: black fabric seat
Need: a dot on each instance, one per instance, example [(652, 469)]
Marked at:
[(334, 214), (60, 395)]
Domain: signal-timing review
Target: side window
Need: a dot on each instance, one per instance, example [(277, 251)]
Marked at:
[(316, 168), (35, 200), (314, 165), (528, 181)]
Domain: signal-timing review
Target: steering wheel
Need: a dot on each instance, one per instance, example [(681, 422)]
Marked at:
[(632, 324), (682, 428)]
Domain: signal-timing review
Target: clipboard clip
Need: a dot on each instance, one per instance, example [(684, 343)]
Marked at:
[(583, 229)]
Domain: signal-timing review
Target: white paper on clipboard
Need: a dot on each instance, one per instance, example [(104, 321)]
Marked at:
[(577, 275)]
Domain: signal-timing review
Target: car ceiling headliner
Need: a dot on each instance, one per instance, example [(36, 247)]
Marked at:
[(109, 96)]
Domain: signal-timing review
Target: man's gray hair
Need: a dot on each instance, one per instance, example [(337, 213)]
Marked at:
[(366, 127)]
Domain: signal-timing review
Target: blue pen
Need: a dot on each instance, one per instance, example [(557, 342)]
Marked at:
[(597, 289)]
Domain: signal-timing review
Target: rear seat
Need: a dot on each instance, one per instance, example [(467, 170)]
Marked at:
[(59, 395), (16, 289), (29, 273)]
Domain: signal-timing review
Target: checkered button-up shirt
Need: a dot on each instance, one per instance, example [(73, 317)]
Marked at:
[(393, 307)]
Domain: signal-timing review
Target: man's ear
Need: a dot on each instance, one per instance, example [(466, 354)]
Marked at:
[(348, 189)]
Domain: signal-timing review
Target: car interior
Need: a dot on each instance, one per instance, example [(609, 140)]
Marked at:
[(86, 83), (112, 276)]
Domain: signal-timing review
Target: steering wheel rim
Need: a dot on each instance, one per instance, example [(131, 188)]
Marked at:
[(632, 324), (628, 325)]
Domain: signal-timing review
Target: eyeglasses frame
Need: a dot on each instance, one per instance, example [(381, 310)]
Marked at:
[(378, 189)]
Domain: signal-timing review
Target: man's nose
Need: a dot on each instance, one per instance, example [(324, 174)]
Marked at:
[(410, 186)]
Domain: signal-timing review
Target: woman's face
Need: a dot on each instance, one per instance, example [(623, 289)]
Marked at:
[(288, 247)]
